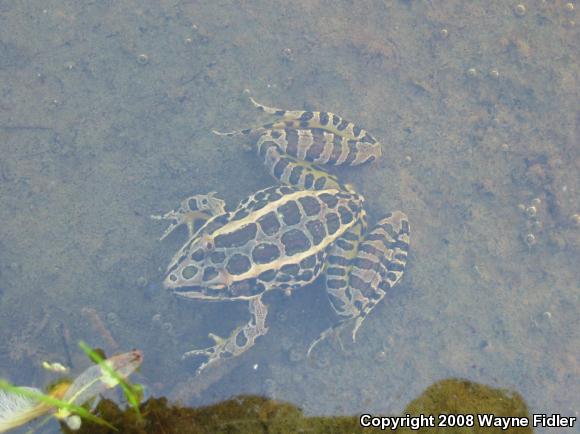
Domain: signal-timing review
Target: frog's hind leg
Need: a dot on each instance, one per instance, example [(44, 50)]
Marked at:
[(357, 282), (312, 119), (388, 245), (318, 137), (241, 339), (291, 171), (339, 261), (194, 208)]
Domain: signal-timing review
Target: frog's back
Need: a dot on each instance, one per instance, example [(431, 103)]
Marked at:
[(276, 238)]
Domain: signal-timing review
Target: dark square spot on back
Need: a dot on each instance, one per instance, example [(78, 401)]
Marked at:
[(295, 242), (264, 253), (269, 223), (217, 257), (329, 199), (316, 229), (238, 264), (310, 205), (332, 223), (345, 215), (290, 213)]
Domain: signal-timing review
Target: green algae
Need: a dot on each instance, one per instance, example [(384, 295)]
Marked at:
[(256, 414)]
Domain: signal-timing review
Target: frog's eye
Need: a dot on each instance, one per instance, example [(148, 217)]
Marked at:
[(208, 245), (198, 255)]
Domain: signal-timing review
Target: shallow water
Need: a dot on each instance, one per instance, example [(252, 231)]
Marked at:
[(106, 116)]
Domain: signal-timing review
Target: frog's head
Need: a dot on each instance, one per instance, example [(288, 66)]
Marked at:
[(192, 274)]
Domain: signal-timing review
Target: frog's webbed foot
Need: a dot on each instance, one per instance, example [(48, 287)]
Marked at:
[(241, 339), (260, 130), (192, 209)]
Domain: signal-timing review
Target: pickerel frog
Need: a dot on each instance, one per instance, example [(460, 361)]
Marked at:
[(284, 237)]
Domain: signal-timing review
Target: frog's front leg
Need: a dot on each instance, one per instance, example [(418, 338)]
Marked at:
[(357, 283), (241, 339), (192, 209)]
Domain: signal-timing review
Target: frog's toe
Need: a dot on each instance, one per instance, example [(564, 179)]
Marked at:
[(332, 331), (223, 349), (213, 351), (226, 133), (202, 352), (212, 354)]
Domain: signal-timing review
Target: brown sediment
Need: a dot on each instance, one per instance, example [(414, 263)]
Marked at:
[(193, 388), (64, 334), (99, 326)]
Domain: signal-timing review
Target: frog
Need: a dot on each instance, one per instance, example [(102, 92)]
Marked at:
[(285, 236)]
